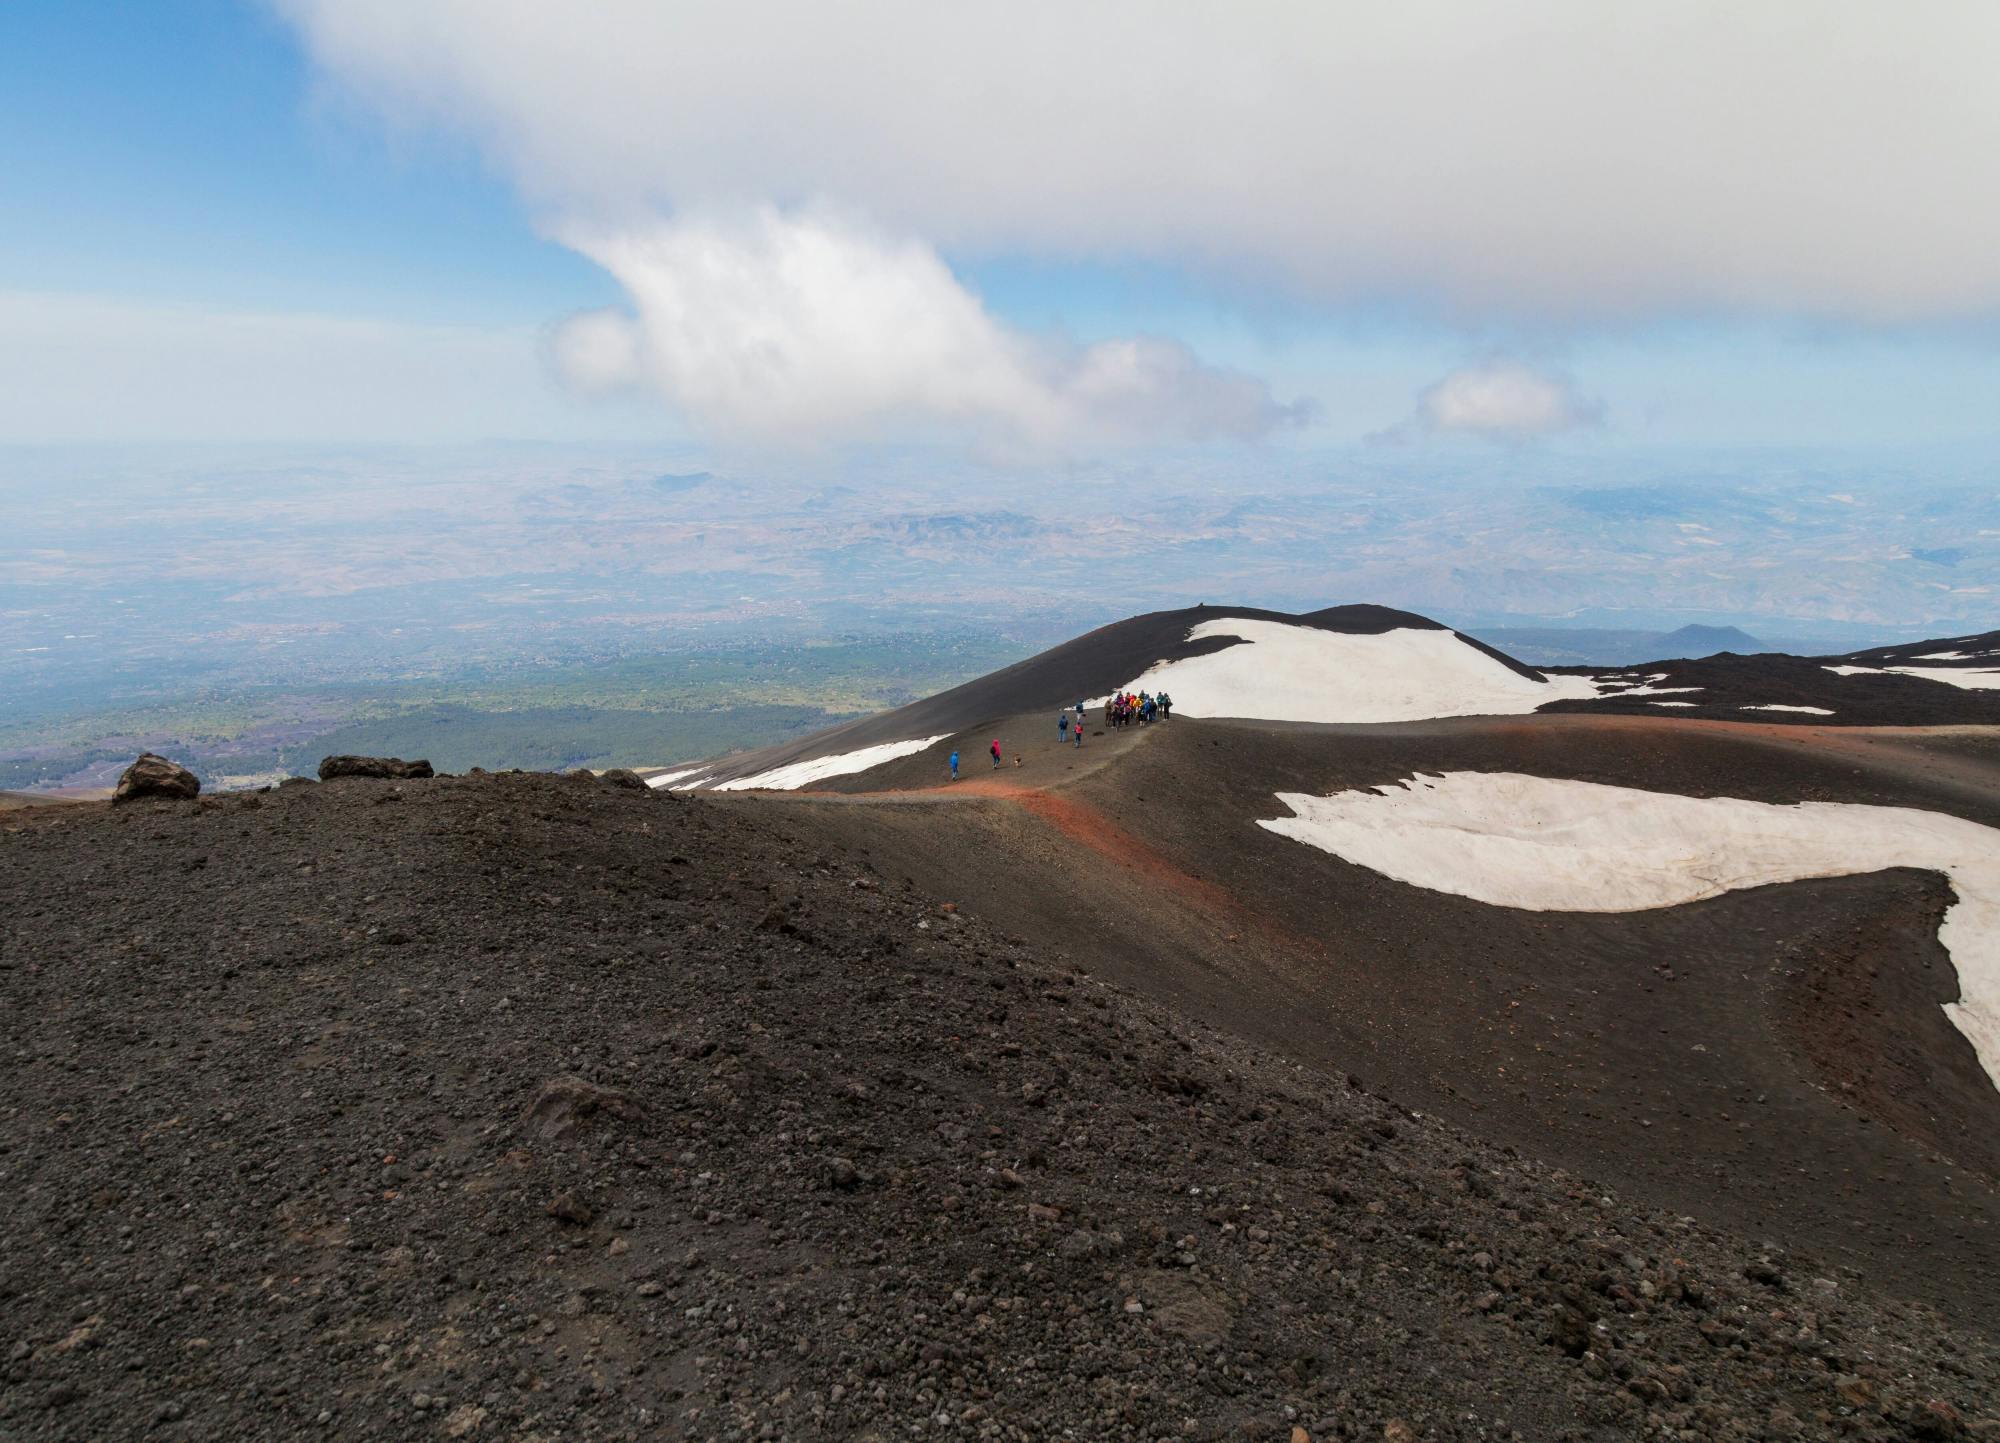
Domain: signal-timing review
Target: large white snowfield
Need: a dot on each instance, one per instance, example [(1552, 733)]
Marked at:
[(1546, 844), (1283, 672)]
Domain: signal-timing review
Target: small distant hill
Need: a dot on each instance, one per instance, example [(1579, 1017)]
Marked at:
[(1692, 641)]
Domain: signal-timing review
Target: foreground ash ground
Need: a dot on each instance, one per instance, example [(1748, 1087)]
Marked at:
[(1065, 1101)]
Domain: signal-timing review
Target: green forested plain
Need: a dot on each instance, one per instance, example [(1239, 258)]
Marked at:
[(619, 711)]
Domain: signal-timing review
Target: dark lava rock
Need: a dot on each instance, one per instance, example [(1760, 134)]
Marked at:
[(839, 1172), (567, 1207), (155, 776), (566, 1103), (393, 769), (631, 781)]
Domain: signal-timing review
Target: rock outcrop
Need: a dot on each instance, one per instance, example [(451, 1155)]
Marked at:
[(154, 776), (393, 769)]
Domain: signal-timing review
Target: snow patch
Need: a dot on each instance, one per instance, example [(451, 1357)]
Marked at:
[(1971, 679), (1648, 689), (1283, 672), (1782, 706), (1968, 678), (667, 779), (1674, 703), (1623, 679), (799, 774), (1545, 844)]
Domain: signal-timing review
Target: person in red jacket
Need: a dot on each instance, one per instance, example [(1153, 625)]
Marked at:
[(995, 749)]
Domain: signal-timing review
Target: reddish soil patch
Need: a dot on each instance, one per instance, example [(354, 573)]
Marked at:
[(1093, 829), (1086, 825)]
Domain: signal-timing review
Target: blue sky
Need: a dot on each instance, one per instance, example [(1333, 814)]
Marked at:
[(178, 151), (193, 189)]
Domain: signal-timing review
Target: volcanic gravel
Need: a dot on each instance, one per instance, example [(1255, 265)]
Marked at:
[(1774, 1060), (541, 1108)]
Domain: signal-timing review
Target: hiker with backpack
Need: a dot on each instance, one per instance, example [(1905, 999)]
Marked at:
[(995, 749), (954, 764), (1062, 727)]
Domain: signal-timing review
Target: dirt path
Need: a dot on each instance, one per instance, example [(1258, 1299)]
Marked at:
[(1047, 795)]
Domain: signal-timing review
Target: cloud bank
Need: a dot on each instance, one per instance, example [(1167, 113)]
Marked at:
[(1549, 158), (769, 327)]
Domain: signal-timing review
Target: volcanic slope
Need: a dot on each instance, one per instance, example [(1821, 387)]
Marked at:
[(535, 1107), (1777, 1057), (1355, 656), (1802, 1057), (1366, 664)]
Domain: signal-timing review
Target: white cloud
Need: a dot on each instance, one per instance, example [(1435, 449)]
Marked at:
[(1502, 400), (807, 327), (1548, 157)]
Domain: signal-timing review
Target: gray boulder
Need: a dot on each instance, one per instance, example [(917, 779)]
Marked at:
[(155, 776)]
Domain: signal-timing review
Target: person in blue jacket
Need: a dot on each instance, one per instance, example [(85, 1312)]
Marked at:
[(1062, 727), (954, 766)]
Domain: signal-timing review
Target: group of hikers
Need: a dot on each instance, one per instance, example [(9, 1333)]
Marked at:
[(1120, 710), (1142, 707)]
